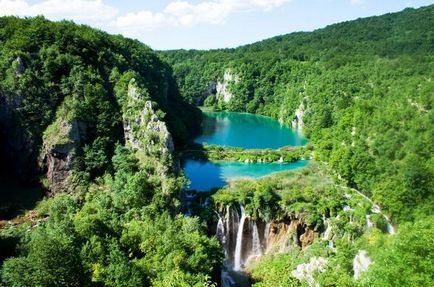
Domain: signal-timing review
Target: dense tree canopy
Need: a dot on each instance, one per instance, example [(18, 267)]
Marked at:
[(367, 89)]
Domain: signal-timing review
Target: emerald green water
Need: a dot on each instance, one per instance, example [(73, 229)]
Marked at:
[(240, 130), (247, 131), (205, 175)]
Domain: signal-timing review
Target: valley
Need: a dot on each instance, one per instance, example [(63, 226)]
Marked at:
[(305, 159)]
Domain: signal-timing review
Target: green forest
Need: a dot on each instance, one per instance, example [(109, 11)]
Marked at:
[(93, 127), (368, 93)]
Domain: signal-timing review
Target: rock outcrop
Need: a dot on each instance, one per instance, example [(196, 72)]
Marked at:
[(143, 130), (297, 122), (222, 88), (305, 272), (61, 141), (291, 232)]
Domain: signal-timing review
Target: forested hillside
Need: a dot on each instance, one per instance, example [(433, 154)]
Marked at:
[(83, 117), (92, 127), (362, 92), (365, 89)]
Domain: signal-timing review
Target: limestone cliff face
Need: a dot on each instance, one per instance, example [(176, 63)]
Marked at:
[(245, 239), (297, 122), (288, 233), (61, 141), (222, 88), (143, 130)]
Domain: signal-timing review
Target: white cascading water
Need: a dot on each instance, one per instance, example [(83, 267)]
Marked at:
[(266, 234), (305, 272), (221, 234), (238, 246), (328, 231), (256, 243), (390, 228), (331, 245), (361, 263), (369, 223), (327, 236), (227, 219)]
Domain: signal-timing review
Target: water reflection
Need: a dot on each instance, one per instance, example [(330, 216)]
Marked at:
[(247, 131)]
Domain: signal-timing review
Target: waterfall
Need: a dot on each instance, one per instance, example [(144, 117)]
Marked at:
[(390, 228), (376, 209), (361, 263), (256, 243), (266, 235), (369, 223), (238, 246), (228, 222), (221, 234), (328, 231)]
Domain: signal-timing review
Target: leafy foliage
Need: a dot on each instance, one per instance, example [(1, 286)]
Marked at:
[(367, 90)]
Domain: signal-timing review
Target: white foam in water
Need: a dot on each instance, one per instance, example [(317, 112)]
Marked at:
[(238, 246), (361, 263)]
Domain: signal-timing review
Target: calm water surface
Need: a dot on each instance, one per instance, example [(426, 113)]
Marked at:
[(205, 175), (247, 131), (240, 130)]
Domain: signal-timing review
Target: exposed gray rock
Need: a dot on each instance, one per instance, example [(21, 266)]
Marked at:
[(159, 127), (59, 153), (19, 66), (298, 123), (305, 272), (143, 129), (222, 88)]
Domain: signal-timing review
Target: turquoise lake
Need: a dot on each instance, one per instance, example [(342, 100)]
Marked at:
[(205, 175), (247, 131), (240, 130)]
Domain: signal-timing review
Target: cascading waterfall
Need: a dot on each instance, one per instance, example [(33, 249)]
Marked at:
[(369, 223), (256, 243), (377, 209), (328, 234), (361, 263), (238, 246), (221, 234), (266, 234)]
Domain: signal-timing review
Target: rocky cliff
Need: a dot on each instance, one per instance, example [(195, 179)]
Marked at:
[(62, 139), (245, 239), (143, 129), (223, 88), (297, 122)]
